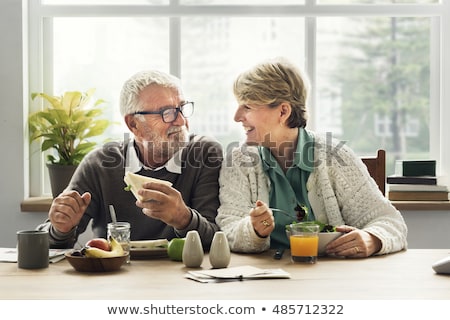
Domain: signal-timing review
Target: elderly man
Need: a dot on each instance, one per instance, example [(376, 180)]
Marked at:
[(155, 111)]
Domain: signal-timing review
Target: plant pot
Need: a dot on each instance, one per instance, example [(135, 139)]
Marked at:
[(60, 176)]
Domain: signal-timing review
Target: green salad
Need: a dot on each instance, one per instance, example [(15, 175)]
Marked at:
[(302, 216)]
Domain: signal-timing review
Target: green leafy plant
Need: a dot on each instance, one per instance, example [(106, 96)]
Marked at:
[(66, 123)]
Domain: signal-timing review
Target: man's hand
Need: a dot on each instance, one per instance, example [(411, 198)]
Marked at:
[(67, 209), (165, 203)]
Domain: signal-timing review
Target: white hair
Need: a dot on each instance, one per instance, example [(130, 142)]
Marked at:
[(129, 96)]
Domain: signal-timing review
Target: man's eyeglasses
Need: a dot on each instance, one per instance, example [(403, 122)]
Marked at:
[(170, 114)]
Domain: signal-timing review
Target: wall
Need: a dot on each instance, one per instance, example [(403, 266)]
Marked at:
[(12, 126), (426, 229)]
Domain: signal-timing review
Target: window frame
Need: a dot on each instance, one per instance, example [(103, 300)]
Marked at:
[(39, 59)]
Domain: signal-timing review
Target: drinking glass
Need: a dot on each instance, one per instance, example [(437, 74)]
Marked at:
[(304, 241), (121, 232)]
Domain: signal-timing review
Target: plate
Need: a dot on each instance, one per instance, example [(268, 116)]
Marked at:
[(147, 249)]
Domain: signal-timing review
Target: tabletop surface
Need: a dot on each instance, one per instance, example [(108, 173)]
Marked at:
[(403, 275)]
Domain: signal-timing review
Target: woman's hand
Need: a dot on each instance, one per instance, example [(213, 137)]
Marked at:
[(355, 243), (262, 219)]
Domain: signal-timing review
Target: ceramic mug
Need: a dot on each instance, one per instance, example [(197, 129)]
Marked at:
[(32, 249)]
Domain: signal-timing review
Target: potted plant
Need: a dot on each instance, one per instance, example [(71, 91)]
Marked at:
[(65, 124)]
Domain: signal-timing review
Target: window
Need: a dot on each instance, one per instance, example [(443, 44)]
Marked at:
[(368, 65), (372, 67)]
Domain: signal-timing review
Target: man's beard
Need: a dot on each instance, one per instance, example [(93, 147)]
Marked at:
[(157, 148)]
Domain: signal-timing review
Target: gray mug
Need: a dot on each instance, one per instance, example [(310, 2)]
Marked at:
[(32, 249)]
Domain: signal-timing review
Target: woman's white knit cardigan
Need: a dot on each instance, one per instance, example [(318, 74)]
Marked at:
[(340, 191)]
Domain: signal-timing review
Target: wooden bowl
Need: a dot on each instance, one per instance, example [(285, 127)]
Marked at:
[(84, 264)]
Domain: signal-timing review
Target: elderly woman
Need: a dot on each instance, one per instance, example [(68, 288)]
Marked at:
[(285, 166)]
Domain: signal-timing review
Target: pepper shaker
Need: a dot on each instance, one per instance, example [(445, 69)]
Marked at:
[(219, 253), (193, 250)]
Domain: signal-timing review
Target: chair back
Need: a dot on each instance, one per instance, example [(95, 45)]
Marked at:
[(376, 166)]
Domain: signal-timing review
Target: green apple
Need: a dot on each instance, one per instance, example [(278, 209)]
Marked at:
[(175, 249)]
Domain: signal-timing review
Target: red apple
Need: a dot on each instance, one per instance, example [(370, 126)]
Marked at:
[(100, 243)]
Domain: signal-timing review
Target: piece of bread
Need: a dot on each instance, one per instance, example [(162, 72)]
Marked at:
[(149, 244), (136, 181)]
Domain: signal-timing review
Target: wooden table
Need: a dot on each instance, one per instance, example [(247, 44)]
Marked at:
[(403, 275)]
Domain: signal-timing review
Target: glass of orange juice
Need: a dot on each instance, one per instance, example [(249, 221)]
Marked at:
[(304, 241)]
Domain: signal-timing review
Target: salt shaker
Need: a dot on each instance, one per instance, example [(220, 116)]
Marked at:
[(193, 250), (219, 253)]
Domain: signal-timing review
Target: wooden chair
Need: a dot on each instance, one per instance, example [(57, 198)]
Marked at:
[(377, 168)]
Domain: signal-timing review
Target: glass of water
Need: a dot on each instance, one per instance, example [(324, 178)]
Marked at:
[(121, 232)]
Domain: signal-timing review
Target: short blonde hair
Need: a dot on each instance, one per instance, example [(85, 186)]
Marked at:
[(273, 82)]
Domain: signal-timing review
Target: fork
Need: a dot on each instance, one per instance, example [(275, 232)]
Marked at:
[(282, 212)]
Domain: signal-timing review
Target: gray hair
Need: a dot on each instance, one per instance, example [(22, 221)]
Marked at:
[(129, 96)]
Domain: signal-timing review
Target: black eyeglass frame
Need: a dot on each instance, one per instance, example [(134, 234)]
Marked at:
[(175, 111)]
